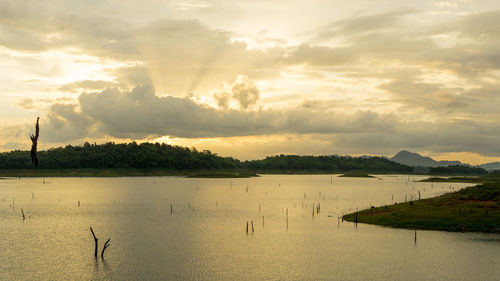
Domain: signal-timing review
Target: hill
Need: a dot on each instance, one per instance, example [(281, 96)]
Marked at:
[(414, 159), (335, 163), (493, 166)]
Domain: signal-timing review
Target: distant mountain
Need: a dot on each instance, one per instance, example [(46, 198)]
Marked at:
[(414, 159), (490, 166)]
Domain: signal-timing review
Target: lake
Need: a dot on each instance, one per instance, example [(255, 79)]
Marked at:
[(205, 238)]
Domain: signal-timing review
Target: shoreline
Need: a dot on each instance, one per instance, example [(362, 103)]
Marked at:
[(215, 173), (125, 173), (472, 209), (196, 173)]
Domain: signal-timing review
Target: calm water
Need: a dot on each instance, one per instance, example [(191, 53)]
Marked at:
[(205, 237)]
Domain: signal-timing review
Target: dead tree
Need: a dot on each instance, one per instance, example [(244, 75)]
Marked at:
[(34, 140), (106, 245), (96, 242)]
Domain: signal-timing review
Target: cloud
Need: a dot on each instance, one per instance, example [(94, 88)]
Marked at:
[(222, 99), (319, 55), (86, 85), (41, 104), (355, 26), (177, 55), (140, 113), (66, 123), (438, 77), (245, 91)]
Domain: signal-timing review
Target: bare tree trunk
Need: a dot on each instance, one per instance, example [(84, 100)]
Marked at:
[(96, 242), (106, 245), (34, 140)]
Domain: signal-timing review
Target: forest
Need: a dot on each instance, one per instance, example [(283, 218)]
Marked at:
[(163, 156)]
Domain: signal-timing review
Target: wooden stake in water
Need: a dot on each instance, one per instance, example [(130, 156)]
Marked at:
[(415, 236), (252, 227), (419, 195), (262, 220), (286, 218), (22, 212), (247, 227), (171, 209)]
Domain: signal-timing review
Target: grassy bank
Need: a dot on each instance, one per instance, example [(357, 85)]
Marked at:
[(467, 179), (125, 173), (472, 209)]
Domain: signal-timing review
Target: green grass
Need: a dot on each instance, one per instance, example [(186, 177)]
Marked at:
[(472, 209), (356, 175), (471, 179), (125, 173)]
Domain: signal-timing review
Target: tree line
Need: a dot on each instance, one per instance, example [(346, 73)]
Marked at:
[(163, 156)]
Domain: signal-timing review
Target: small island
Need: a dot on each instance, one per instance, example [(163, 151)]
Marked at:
[(472, 209), (356, 175)]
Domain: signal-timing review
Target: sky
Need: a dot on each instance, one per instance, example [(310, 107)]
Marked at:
[(255, 78)]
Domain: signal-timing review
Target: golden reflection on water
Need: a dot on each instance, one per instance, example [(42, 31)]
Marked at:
[(205, 236)]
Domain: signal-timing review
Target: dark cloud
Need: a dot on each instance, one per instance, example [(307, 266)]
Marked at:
[(140, 113), (66, 123)]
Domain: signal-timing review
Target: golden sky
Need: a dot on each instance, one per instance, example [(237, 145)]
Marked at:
[(255, 78)]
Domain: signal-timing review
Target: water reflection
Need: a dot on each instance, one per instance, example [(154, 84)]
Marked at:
[(205, 237)]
